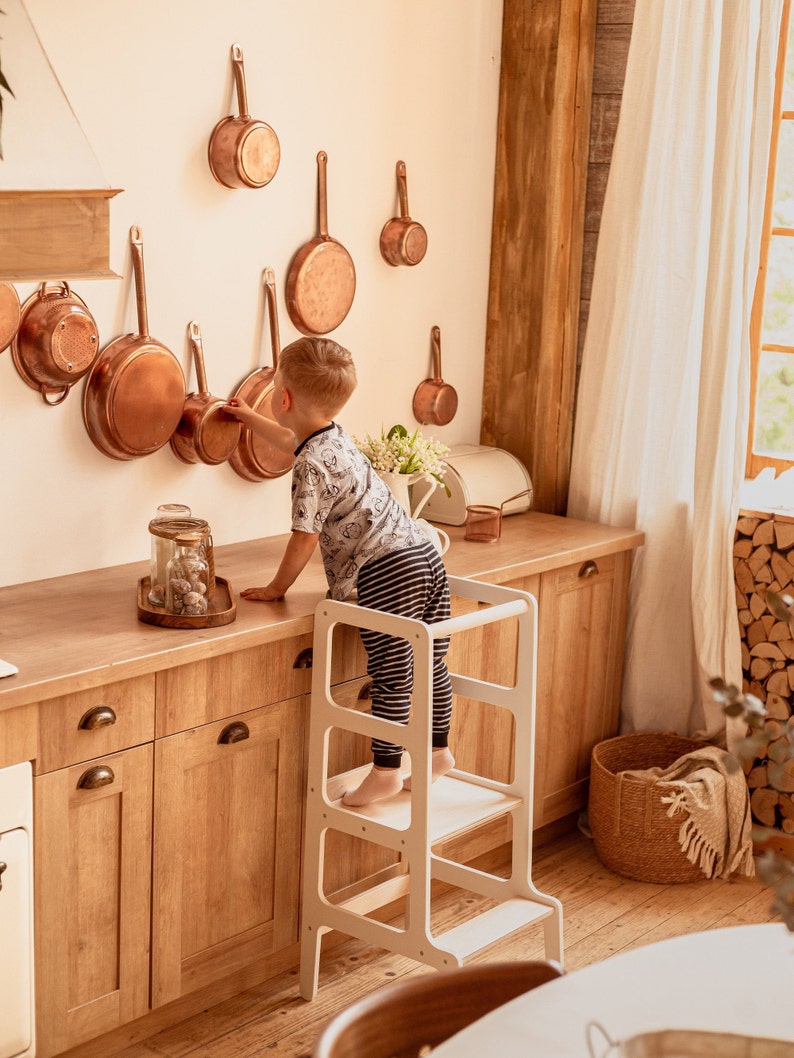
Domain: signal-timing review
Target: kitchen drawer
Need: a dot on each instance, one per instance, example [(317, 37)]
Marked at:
[(93, 723), (204, 691), (569, 578)]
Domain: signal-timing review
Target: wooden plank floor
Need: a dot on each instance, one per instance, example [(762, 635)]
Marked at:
[(603, 913)]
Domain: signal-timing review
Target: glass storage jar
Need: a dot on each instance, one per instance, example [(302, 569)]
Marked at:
[(187, 577), (162, 549)]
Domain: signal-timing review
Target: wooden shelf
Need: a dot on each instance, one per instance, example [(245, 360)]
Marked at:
[(59, 234)]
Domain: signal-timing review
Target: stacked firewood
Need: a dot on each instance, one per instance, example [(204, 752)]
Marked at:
[(764, 559)]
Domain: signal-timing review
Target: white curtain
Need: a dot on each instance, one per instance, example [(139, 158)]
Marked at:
[(662, 411)]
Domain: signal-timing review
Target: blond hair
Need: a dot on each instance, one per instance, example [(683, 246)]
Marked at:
[(319, 372)]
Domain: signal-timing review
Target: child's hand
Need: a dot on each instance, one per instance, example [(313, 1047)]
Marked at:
[(266, 594), (238, 407)]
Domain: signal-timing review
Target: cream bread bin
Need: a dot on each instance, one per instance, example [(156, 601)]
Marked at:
[(476, 474)]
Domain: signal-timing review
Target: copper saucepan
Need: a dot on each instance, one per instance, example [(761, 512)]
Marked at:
[(403, 241), (56, 342), (435, 401), (321, 282), (207, 432), (243, 152), (9, 314), (254, 459), (135, 393)]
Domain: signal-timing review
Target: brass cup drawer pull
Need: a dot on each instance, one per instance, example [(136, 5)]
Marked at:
[(3, 867), (99, 716), (99, 775), (304, 659), (235, 732), (588, 569), (365, 691)]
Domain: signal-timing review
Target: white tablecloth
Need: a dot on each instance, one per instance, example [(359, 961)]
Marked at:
[(739, 979)]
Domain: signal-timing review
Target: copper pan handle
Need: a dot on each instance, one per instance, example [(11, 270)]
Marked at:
[(435, 335), (136, 243), (402, 190), (194, 333), (322, 192), (239, 77), (270, 293)]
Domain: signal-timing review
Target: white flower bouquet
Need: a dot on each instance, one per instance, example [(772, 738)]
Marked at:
[(398, 452)]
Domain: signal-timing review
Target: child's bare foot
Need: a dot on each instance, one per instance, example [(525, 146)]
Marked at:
[(441, 761), (379, 783)]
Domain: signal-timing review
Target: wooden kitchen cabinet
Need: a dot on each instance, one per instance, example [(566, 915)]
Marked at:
[(227, 836), (581, 630), (581, 635), (178, 880), (92, 876)]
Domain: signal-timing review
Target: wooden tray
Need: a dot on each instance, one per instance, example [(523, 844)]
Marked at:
[(222, 609), (690, 1043)]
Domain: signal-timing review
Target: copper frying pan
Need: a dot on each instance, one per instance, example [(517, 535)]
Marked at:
[(321, 282), (253, 458), (403, 241), (207, 432), (9, 314), (243, 152), (135, 392), (435, 401)]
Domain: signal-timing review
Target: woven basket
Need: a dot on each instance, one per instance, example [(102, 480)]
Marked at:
[(632, 832)]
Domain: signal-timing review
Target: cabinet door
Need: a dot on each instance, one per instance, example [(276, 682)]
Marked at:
[(581, 632), (92, 856), (227, 837)]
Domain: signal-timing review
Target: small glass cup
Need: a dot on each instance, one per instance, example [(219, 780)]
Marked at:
[(483, 523)]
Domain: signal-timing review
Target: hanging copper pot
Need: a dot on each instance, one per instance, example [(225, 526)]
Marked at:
[(207, 432), (243, 152), (56, 342), (9, 314), (254, 459), (435, 401), (403, 241), (135, 394)]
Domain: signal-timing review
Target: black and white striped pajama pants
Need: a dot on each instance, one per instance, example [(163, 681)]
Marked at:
[(410, 583)]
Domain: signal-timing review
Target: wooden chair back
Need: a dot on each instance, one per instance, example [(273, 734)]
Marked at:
[(408, 1017)]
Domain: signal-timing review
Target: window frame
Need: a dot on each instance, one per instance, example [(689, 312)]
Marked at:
[(755, 462)]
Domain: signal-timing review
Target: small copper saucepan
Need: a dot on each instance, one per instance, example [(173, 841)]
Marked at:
[(403, 241), (56, 342), (9, 314), (435, 401), (243, 152), (207, 432), (254, 459)]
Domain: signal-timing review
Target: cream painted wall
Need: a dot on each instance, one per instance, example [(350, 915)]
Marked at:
[(146, 82)]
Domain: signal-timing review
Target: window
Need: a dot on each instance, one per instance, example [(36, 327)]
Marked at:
[(771, 440)]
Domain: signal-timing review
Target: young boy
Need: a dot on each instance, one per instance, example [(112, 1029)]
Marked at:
[(368, 543)]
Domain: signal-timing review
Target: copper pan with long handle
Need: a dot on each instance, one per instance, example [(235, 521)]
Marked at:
[(321, 282), (207, 431), (243, 151), (403, 241), (135, 392), (10, 310), (435, 401), (254, 459)]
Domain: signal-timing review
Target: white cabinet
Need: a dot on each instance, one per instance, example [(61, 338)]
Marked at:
[(16, 913)]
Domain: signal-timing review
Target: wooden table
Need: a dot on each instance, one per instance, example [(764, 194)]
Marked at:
[(734, 980)]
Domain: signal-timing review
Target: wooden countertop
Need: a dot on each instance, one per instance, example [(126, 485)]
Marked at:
[(71, 633)]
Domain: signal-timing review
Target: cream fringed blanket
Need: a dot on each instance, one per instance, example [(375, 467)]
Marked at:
[(709, 786)]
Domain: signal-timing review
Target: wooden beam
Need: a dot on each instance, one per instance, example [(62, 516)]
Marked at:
[(536, 251)]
